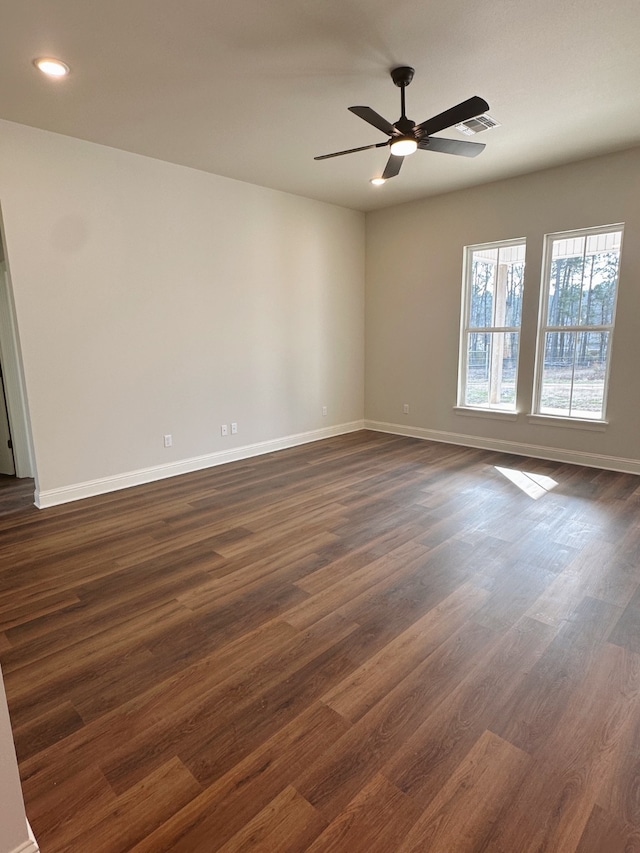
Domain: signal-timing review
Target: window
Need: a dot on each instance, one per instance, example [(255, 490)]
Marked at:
[(491, 317), (577, 310)]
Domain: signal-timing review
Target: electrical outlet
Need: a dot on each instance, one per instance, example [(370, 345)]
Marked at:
[(324, 411), (224, 430), (234, 429), (168, 441), (405, 408)]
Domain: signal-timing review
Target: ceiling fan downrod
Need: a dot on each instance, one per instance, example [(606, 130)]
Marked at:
[(402, 76)]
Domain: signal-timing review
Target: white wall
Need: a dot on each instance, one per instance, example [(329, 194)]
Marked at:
[(155, 299), (414, 274), (14, 833)]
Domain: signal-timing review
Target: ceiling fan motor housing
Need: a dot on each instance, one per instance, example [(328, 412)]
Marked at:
[(403, 75)]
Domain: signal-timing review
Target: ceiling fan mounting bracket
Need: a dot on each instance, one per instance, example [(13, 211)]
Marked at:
[(403, 75)]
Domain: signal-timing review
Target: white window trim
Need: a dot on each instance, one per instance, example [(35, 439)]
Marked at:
[(571, 423), (477, 412), (536, 415), (462, 408)]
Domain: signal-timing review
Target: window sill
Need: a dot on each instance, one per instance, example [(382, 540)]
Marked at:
[(572, 423), (496, 414)]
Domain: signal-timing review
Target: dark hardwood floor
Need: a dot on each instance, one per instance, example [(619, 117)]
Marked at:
[(370, 643), (15, 494)]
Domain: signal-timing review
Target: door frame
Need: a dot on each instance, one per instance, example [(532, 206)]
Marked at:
[(14, 386)]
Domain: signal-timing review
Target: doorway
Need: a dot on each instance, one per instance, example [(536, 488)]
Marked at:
[(7, 462), (16, 454)]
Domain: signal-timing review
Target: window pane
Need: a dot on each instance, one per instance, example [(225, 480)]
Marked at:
[(497, 278), (573, 379), (557, 376), (599, 286), (510, 275), (589, 374), (492, 363), (583, 280), (483, 270), (565, 288)]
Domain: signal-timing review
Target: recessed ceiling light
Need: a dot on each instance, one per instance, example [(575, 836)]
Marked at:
[(51, 67), (378, 182)]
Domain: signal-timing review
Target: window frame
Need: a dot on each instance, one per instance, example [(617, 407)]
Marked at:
[(463, 407), (544, 328)]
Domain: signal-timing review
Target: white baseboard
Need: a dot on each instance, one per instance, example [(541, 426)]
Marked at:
[(591, 460), (91, 488), (32, 840), (27, 847), (30, 846)]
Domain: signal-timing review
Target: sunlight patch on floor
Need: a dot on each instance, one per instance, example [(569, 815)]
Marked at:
[(534, 485)]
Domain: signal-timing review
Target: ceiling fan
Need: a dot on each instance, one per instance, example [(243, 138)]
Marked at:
[(405, 136)]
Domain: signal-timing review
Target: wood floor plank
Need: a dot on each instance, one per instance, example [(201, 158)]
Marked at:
[(618, 788), (627, 630), (594, 572), (115, 827), (234, 737), (531, 715), (462, 814), (415, 589), (603, 833), (289, 564), (207, 730), (576, 760), (333, 781), (375, 821), (372, 681), (424, 763), (314, 608), (368, 643), (44, 636), (32, 606), (358, 557), (48, 728), (225, 806), (143, 723), (287, 824), (55, 811), (84, 659)]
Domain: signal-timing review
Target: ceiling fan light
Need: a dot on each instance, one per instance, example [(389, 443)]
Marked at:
[(403, 146), (378, 182)]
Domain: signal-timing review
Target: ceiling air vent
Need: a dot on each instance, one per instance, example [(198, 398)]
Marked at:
[(477, 125)]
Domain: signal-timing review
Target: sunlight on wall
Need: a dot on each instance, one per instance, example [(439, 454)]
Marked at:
[(534, 485)]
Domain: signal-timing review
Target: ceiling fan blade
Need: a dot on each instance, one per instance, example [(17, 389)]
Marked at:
[(394, 164), (451, 146), (470, 108), (373, 118), (351, 151)]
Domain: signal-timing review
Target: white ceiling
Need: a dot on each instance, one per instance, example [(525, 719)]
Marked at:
[(253, 89)]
